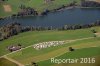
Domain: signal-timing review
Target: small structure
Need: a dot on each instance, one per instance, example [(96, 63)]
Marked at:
[(14, 47)]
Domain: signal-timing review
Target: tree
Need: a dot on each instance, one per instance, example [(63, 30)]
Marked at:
[(95, 35), (0, 36), (34, 64), (71, 49), (94, 31)]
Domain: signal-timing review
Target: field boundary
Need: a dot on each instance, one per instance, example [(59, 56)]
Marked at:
[(14, 61), (32, 45), (67, 52)]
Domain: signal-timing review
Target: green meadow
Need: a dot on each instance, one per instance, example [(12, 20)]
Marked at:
[(5, 62), (32, 37), (80, 53), (39, 55), (89, 47), (84, 41), (38, 5)]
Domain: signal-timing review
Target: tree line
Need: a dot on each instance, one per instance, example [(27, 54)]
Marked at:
[(3, 0), (25, 11), (16, 28), (29, 11), (85, 3)]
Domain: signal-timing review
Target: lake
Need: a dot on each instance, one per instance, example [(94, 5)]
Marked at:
[(59, 19)]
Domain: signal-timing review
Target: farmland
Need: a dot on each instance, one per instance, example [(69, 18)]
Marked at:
[(35, 39), (30, 38), (81, 53), (52, 52), (5, 62), (82, 40)]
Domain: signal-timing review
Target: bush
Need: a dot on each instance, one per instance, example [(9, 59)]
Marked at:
[(94, 31), (71, 49)]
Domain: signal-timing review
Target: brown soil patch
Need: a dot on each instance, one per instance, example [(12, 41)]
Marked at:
[(98, 1), (94, 0), (98, 34), (7, 8)]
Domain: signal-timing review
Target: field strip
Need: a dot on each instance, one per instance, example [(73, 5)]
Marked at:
[(66, 52), (5, 56), (17, 51), (14, 61), (56, 53), (32, 45)]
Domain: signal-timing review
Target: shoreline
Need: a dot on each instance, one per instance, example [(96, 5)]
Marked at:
[(54, 10), (67, 8)]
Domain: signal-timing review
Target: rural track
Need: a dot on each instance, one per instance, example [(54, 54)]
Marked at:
[(67, 41), (14, 61)]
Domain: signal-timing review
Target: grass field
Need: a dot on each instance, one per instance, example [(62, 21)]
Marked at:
[(30, 38), (81, 53), (5, 62), (83, 48), (82, 40), (27, 57), (38, 5)]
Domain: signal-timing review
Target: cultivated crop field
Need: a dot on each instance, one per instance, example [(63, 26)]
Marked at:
[(82, 40)]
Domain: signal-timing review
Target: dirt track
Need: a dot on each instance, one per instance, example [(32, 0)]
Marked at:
[(14, 61), (7, 8)]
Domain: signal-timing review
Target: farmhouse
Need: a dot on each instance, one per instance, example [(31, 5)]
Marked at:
[(14, 47)]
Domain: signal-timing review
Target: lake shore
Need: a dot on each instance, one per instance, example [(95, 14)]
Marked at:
[(54, 10)]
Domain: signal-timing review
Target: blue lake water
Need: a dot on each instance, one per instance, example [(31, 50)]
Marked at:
[(58, 19)]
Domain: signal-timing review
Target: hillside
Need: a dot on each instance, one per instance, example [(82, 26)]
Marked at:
[(78, 39), (7, 8)]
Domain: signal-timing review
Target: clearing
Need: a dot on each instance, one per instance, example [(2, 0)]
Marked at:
[(7, 8)]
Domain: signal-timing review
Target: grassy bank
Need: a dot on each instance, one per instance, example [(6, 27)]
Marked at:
[(28, 55), (5, 62), (39, 55), (38, 5), (32, 37), (81, 53)]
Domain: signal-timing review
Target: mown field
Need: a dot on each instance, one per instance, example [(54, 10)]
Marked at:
[(89, 47), (30, 38), (91, 52), (38, 5), (39, 55), (5, 62)]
